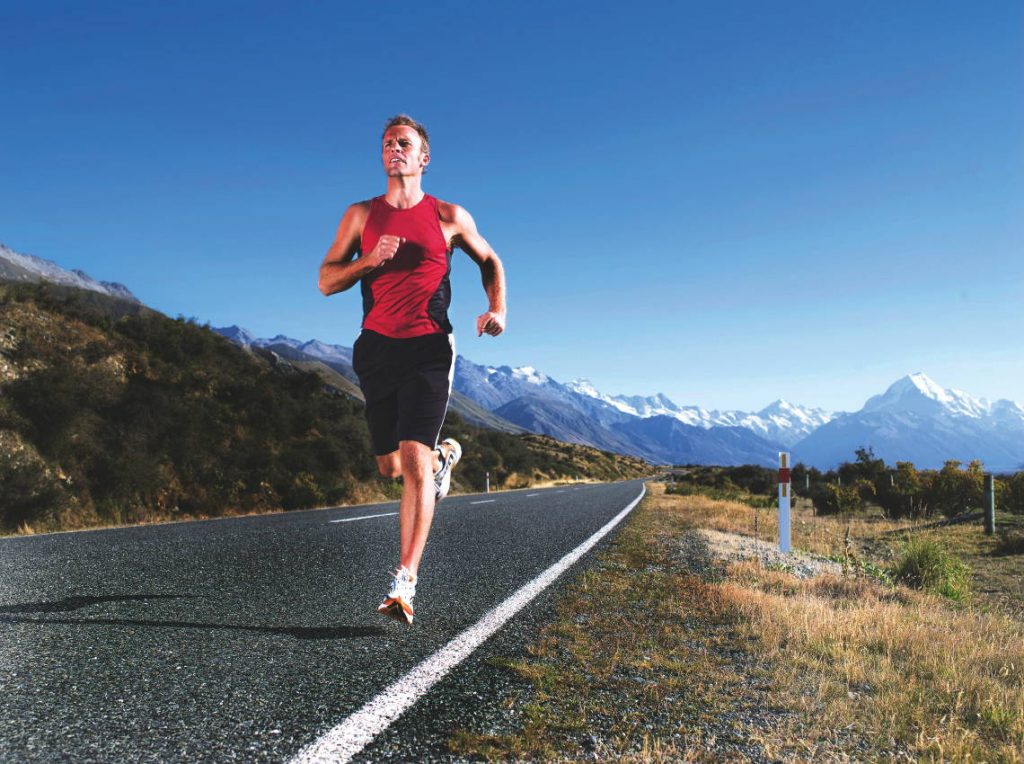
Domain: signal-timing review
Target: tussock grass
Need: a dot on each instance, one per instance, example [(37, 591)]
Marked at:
[(926, 564), (1009, 543)]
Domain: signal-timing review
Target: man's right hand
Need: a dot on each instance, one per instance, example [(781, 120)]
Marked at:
[(386, 248)]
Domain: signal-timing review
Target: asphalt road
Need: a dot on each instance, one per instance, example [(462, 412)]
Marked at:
[(247, 639)]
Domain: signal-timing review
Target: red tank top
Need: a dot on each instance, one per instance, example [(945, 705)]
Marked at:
[(409, 295)]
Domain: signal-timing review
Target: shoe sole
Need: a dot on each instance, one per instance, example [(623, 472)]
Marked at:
[(396, 609)]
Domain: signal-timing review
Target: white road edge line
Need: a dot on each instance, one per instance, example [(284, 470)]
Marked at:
[(364, 517), (339, 744), (484, 501)]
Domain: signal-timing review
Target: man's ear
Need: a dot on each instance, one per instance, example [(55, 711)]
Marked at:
[(426, 160)]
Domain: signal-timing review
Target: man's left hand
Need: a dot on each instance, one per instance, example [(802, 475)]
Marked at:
[(492, 322)]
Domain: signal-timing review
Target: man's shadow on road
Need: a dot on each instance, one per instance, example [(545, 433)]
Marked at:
[(19, 613)]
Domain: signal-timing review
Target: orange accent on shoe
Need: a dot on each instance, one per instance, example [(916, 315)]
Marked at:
[(398, 609)]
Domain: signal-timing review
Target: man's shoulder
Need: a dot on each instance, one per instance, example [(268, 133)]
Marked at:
[(358, 212), (449, 212), (361, 207)]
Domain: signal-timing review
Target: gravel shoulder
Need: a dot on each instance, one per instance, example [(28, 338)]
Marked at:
[(732, 547)]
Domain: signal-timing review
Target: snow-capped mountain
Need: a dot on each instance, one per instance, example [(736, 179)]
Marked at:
[(315, 348), (653, 427), (632, 406), (919, 421), (918, 394), (237, 335), (780, 422), (14, 266), (785, 422), (493, 387)]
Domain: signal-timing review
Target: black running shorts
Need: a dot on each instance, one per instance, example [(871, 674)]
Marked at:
[(406, 383)]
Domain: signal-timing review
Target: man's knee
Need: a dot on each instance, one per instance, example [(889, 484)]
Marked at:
[(390, 465), (416, 460)]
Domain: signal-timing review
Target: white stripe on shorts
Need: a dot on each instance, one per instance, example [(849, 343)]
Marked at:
[(451, 380)]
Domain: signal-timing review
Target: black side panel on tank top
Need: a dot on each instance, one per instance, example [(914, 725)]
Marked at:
[(364, 287), (439, 302)]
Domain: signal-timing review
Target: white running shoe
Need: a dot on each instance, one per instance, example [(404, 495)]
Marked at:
[(449, 458), (398, 603)]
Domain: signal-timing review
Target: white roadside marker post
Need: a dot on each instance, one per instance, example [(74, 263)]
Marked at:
[(784, 495)]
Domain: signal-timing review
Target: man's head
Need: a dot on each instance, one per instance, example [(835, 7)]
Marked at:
[(405, 146)]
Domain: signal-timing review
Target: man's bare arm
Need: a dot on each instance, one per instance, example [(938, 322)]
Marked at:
[(469, 240), (339, 271)]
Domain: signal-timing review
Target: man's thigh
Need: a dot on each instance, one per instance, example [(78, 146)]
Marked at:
[(423, 396), (376, 363)]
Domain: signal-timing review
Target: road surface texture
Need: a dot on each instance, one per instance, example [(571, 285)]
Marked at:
[(251, 639)]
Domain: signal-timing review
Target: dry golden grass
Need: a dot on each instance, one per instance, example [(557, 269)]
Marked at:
[(828, 668), (901, 670)]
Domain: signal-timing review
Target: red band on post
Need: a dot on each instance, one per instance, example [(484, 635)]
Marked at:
[(784, 475)]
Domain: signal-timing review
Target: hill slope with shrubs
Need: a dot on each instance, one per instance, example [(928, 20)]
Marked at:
[(112, 413)]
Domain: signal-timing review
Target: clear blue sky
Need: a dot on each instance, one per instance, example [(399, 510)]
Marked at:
[(725, 202)]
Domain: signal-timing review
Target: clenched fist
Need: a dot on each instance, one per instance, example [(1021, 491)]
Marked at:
[(386, 248), (492, 322)]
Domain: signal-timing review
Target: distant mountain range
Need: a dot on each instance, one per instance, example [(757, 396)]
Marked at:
[(15, 266), (914, 420), (919, 421)]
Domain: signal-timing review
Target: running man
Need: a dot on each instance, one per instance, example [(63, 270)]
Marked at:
[(399, 248)]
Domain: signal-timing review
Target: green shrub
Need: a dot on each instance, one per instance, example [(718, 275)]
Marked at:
[(925, 564)]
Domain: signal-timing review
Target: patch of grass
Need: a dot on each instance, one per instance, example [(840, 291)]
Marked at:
[(722, 494), (648, 657), (926, 564), (1010, 542), (860, 566)]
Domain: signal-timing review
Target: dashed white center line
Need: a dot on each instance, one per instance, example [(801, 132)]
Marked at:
[(484, 501), (364, 517), (532, 494), (340, 743)]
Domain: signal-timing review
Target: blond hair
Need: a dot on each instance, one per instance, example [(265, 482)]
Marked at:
[(405, 119)]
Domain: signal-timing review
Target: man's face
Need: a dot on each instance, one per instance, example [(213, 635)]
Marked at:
[(403, 152)]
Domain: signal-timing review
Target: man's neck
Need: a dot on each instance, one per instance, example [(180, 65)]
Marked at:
[(404, 192)]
